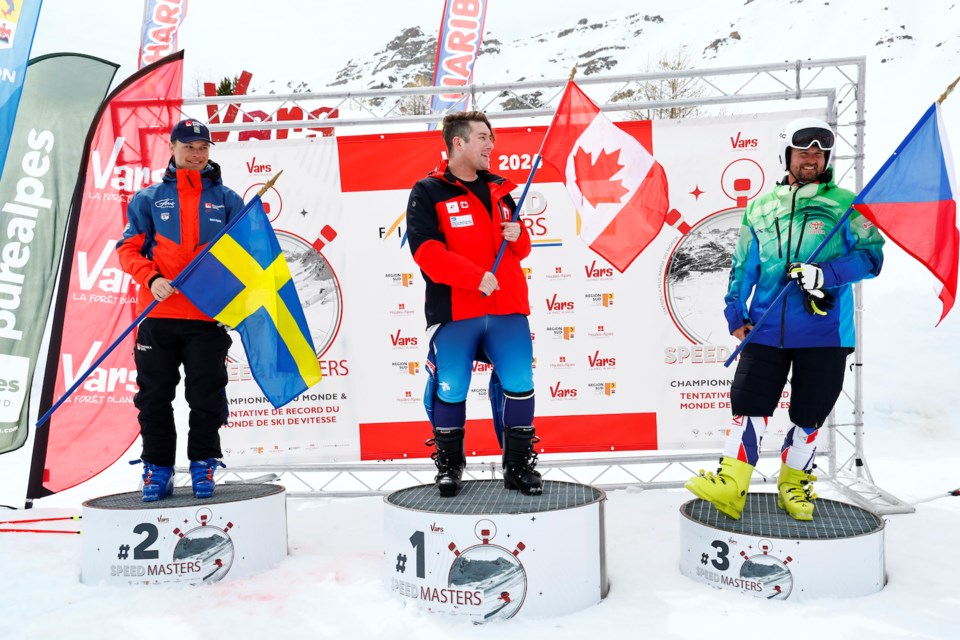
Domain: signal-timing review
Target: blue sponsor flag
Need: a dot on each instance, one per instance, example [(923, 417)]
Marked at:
[(244, 282), (18, 24)]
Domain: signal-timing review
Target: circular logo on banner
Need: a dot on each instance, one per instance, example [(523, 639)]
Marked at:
[(698, 268), (318, 288), (272, 200), (742, 180)]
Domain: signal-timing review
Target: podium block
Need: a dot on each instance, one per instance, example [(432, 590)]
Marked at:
[(240, 531), (768, 554), (491, 554)]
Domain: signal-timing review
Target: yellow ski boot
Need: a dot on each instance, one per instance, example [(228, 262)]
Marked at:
[(795, 493), (726, 489)]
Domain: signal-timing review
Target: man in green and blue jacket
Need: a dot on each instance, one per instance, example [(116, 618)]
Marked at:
[(810, 329)]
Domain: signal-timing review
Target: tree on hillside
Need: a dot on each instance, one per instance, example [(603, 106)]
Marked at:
[(665, 89), (416, 105)]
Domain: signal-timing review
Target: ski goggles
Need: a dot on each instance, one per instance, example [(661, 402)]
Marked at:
[(806, 138)]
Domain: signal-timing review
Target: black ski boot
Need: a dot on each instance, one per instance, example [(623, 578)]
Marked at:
[(450, 460), (519, 460)]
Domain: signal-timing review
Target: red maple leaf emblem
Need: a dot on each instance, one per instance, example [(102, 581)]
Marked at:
[(593, 178)]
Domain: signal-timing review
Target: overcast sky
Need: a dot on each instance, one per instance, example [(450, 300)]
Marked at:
[(278, 39)]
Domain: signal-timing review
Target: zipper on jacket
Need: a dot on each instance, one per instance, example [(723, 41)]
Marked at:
[(786, 266), (776, 222), (196, 244), (803, 227)]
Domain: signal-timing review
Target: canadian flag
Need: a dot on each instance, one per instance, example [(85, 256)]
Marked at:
[(618, 187)]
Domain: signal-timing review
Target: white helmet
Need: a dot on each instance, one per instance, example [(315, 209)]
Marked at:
[(803, 133)]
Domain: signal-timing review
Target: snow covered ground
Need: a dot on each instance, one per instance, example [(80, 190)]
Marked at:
[(330, 585)]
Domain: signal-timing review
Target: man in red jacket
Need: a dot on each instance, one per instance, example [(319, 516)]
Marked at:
[(457, 218), (168, 224)]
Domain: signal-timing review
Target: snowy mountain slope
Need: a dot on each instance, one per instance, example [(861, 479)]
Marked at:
[(912, 52)]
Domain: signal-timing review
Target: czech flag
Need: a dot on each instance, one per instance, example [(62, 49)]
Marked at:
[(912, 199)]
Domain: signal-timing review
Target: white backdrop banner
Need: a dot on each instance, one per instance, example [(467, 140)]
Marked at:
[(630, 361)]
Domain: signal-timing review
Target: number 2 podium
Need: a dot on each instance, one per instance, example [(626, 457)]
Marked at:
[(240, 531), (490, 554)]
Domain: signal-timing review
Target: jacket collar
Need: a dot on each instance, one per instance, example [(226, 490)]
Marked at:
[(210, 172)]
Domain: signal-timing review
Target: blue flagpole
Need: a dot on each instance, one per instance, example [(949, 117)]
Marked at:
[(526, 187), (191, 266), (516, 212)]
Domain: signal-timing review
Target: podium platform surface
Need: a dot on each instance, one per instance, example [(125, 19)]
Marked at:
[(489, 497), (183, 497), (761, 517)]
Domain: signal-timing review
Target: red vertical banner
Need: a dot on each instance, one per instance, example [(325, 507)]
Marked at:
[(161, 25), (127, 149), (458, 46)]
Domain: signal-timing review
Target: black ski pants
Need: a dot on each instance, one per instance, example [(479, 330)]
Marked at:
[(163, 344), (815, 384)]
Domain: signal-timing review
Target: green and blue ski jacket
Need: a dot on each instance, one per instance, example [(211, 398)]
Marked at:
[(785, 226)]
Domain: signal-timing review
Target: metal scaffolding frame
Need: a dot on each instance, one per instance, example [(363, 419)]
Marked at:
[(835, 85)]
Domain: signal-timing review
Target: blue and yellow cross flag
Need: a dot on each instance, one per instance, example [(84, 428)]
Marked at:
[(243, 281)]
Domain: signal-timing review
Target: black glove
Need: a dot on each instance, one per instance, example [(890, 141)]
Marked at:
[(817, 302)]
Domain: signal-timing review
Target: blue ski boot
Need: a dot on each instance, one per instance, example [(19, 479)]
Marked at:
[(157, 481), (201, 472)]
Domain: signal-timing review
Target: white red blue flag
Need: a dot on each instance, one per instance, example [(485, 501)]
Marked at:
[(913, 200), (619, 189), (457, 48), (161, 23)]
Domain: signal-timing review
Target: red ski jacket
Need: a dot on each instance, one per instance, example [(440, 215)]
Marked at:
[(454, 240)]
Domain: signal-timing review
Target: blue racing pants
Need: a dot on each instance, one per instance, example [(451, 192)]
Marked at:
[(503, 341)]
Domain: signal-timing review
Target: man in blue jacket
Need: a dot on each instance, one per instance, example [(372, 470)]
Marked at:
[(168, 224), (811, 330)]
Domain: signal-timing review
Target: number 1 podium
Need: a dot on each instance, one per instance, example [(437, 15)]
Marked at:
[(240, 531), (491, 554)]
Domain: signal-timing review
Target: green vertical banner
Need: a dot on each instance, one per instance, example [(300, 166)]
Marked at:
[(60, 98)]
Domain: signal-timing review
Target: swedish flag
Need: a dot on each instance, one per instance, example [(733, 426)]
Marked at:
[(244, 282)]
